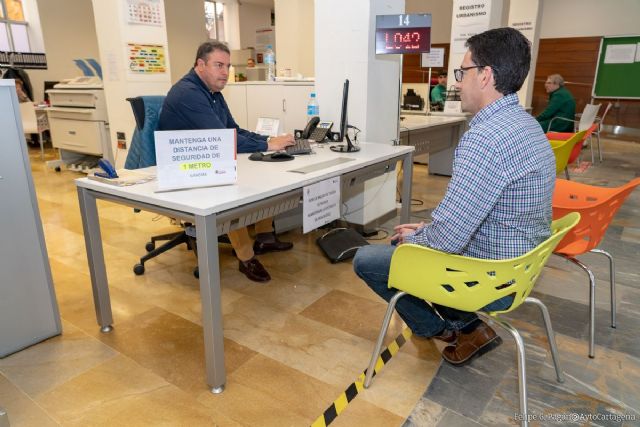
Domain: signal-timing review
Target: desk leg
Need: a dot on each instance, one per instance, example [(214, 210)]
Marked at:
[(207, 237), (95, 257), (407, 177)]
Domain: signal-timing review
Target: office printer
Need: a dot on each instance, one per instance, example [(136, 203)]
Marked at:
[(79, 122)]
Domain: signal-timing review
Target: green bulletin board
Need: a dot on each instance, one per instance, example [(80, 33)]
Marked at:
[(617, 80)]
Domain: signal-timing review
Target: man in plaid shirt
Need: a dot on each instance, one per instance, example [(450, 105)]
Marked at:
[(498, 202)]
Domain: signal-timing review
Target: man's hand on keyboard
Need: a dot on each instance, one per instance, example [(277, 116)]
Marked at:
[(277, 143)]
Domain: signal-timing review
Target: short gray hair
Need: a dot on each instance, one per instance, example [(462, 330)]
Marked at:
[(557, 79), (207, 47)]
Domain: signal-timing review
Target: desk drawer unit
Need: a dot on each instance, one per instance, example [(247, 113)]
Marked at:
[(78, 135)]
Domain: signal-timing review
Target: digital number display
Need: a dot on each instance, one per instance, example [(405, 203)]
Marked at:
[(403, 40), (397, 34)]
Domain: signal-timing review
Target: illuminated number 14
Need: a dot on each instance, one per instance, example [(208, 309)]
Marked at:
[(403, 20)]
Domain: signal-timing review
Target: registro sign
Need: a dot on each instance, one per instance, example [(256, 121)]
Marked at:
[(195, 158)]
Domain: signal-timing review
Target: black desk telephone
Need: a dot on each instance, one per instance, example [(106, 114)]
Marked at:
[(316, 130)]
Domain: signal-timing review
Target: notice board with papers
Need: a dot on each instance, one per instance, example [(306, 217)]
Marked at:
[(618, 68)]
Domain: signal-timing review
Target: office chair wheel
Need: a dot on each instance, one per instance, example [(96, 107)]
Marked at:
[(196, 273), (138, 269), (150, 246)]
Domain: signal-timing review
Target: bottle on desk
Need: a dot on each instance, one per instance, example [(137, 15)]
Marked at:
[(270, 62), (313, 109)]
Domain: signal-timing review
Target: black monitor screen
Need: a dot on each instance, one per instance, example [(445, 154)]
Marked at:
[(344, 125), (343, 115)]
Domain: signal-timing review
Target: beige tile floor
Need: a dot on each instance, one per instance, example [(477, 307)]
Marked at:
[(291, 346)]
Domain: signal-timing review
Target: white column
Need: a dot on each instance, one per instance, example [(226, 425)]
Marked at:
[(114, 32), (470, 17), (524, 16), (345, 49)]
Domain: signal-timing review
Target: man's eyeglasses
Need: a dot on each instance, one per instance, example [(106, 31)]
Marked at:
[(221, 65), (458, 73)]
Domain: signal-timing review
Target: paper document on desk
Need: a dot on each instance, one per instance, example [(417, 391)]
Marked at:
[(126, 177), (320, 203)]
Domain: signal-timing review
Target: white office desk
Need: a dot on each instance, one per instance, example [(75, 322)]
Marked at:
[(437, 136), (264, 189)]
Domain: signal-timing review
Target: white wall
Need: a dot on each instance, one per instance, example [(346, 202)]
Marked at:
[(252, 17), (69, 33), (585, 18), (560, 18), (440, 11), (295, 36), (185, 31)]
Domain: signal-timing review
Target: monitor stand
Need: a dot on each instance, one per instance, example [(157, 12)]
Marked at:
[(348, 148)]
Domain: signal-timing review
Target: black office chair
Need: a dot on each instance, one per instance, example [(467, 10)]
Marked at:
[(146, 110)]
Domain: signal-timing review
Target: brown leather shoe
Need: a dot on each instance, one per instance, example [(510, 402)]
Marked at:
[(254, 270), (447, 336), (476, 341), (268, 242)]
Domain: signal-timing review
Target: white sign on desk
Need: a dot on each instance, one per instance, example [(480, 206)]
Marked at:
[(195, 158), (268, 126), (321, 204)]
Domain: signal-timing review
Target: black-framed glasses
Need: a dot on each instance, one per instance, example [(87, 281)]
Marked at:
[(458, 73)]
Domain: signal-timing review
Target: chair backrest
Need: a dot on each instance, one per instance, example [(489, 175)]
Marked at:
[(588, 116), (469, 284), (600, 120), (146, 110), (29, 120), (562, 149), (597, 207)]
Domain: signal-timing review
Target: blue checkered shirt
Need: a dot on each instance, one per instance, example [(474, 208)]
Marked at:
[(498, 202)]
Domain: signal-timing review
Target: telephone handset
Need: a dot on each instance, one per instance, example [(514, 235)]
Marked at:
[(311, 126), (316, 130)]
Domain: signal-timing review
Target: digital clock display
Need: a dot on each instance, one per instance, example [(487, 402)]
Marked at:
[(397, 34)]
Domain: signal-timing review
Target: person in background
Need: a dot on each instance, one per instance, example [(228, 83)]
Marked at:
[(23, 84), (196, 102), (439, 92), (561, 104), (498, 202)]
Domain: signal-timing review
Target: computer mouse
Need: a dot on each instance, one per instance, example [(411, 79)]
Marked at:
[(281, 155), (256, 156)]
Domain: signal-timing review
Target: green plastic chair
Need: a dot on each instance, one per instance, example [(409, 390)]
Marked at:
[(469, 284), (562, 150)]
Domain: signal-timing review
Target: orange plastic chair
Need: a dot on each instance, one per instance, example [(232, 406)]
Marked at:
[(597, 207), (562, 149), (563, 136)]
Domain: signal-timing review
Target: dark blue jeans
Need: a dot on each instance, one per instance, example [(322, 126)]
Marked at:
[(372, 264)]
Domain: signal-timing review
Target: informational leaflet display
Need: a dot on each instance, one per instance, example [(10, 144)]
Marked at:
[(195, 158), (321, 204)]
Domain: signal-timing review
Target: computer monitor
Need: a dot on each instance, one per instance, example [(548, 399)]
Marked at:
[(344, 124)]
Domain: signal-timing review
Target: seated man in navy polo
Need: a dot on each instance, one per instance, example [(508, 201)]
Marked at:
[(195, 102)]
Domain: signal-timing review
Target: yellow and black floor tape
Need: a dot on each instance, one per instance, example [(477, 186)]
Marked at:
[(340, 404)]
